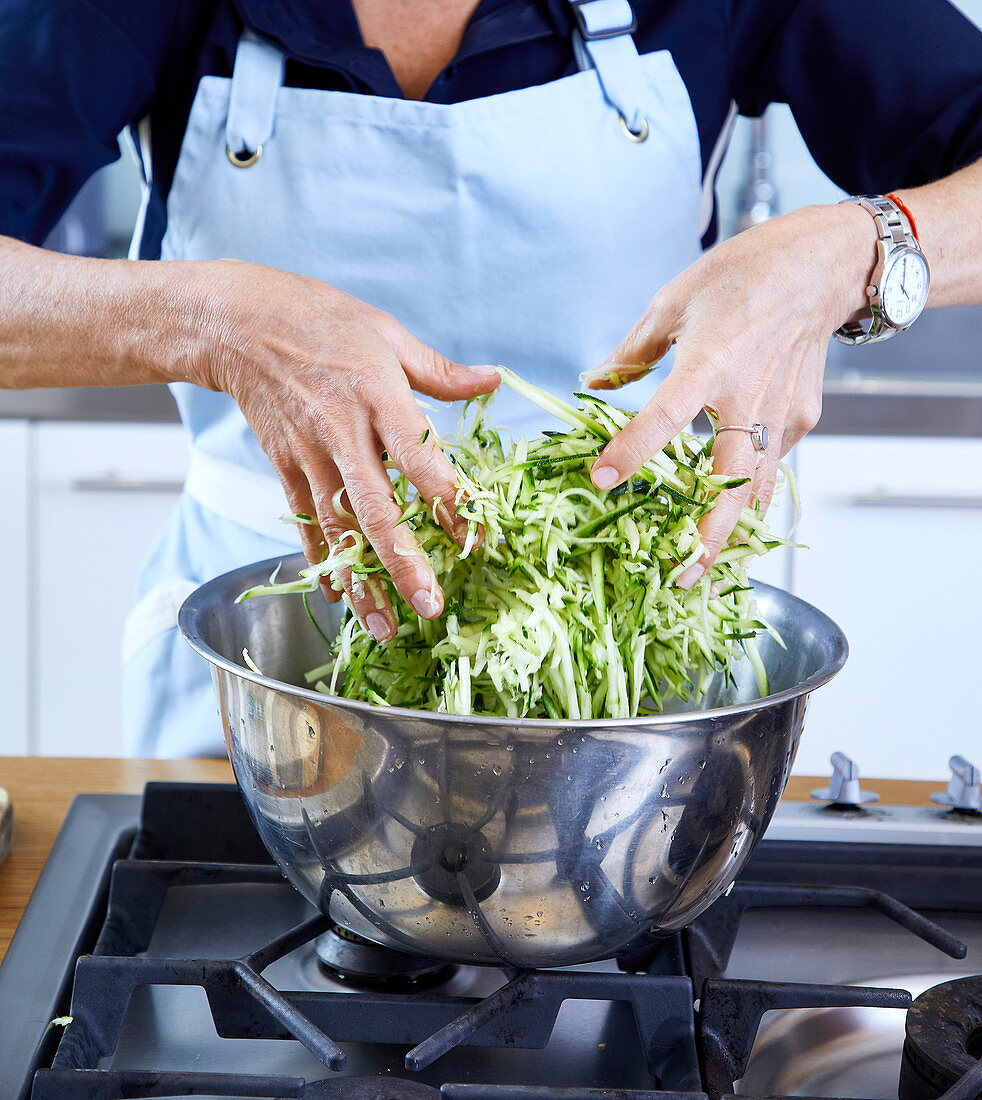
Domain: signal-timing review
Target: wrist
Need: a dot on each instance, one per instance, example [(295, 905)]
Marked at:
[(173, 332), (851, 237)]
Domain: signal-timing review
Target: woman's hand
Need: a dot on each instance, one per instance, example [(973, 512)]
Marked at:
[(326, 382), (751, 321)]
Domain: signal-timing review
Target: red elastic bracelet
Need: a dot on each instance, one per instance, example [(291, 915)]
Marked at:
[(908, 214)]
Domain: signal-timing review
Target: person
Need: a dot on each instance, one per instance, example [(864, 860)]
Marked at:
[(345, 201)]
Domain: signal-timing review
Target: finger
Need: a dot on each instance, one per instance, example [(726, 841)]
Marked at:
[(646, 343), (434, 374), (415, 450), (366, 595), (367, 598), (735, 458), (613, 375), (312, 539), (765, 477), (673, 407), (314, 544), (378, 516)]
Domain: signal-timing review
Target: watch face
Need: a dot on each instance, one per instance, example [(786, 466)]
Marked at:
[(905, 287)]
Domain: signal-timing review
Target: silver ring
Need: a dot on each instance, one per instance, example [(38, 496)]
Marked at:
[(245, 159), (757, 433)]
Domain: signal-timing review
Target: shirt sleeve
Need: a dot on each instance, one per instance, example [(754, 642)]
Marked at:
[(886, 93), (73, 74)]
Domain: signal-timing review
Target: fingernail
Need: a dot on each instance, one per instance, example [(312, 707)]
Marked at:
[(424, 604), (595, 373), (604, 477), (690, 576), (485, 368), (378, 626)]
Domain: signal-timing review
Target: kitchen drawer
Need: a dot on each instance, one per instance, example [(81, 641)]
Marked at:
[(18, 594), (894, 528), (103, 492)]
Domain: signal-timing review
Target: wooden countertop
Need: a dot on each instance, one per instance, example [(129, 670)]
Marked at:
[(41, 790)]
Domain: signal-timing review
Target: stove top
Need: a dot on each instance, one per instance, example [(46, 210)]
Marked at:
[(163, 954)]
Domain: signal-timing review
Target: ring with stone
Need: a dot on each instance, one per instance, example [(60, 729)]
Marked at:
[(757, 433)]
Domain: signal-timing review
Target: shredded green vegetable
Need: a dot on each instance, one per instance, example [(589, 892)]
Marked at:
[(568, 609)]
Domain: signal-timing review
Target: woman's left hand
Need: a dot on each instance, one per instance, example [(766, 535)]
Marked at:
[(751, 321)]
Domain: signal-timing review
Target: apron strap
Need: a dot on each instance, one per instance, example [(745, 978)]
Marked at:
[(602, 41), (138, 140), (246, 497), (256, 78)]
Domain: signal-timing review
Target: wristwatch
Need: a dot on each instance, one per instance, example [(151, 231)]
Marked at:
[(901, 278)]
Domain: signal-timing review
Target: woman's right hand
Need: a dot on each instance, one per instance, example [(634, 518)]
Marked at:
[(325, 381)]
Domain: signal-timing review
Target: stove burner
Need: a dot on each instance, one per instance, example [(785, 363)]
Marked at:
[(358, 962), (451, 851), (370, 1088), (944, 1038)]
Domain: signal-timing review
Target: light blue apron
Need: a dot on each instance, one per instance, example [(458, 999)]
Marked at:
[(529, 228)]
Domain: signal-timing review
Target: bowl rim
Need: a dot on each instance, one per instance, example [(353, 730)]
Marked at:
[(203, 597)]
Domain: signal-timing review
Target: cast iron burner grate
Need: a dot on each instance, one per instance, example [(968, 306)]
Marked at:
[(944, 1039), (693, 1049)]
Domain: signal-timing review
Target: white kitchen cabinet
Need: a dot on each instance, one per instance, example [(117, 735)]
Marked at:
[(101, 494), (894, 528), (17, 580)]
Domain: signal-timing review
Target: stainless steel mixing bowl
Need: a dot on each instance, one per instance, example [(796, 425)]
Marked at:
[(529, 842)]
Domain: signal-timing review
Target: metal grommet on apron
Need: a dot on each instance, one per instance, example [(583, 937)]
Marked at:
[(256, 77), (245, 159), (518, 228), (632, 135), (603, 34)]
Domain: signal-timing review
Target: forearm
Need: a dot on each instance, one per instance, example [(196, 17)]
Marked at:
[(74, 321), (949, 225)]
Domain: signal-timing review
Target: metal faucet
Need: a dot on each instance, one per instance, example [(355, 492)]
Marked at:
[(757, 200)]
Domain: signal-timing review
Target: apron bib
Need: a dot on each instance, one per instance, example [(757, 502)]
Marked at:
[(529, 228)]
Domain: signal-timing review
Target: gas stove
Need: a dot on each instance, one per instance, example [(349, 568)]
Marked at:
[(164, 955)]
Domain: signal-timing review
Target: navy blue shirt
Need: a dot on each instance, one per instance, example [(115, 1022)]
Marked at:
[(887, 93)]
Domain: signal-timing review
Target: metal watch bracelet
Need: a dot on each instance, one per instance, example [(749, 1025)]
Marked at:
[(893, 230)]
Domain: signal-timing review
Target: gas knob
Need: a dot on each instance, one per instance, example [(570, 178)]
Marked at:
[(844, 788), (964, 791)]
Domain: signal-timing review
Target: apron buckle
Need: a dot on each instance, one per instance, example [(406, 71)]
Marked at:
[(592, 24)]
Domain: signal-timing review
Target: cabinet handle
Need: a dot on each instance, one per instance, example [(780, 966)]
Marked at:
[(118, 484), (880, 499)]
